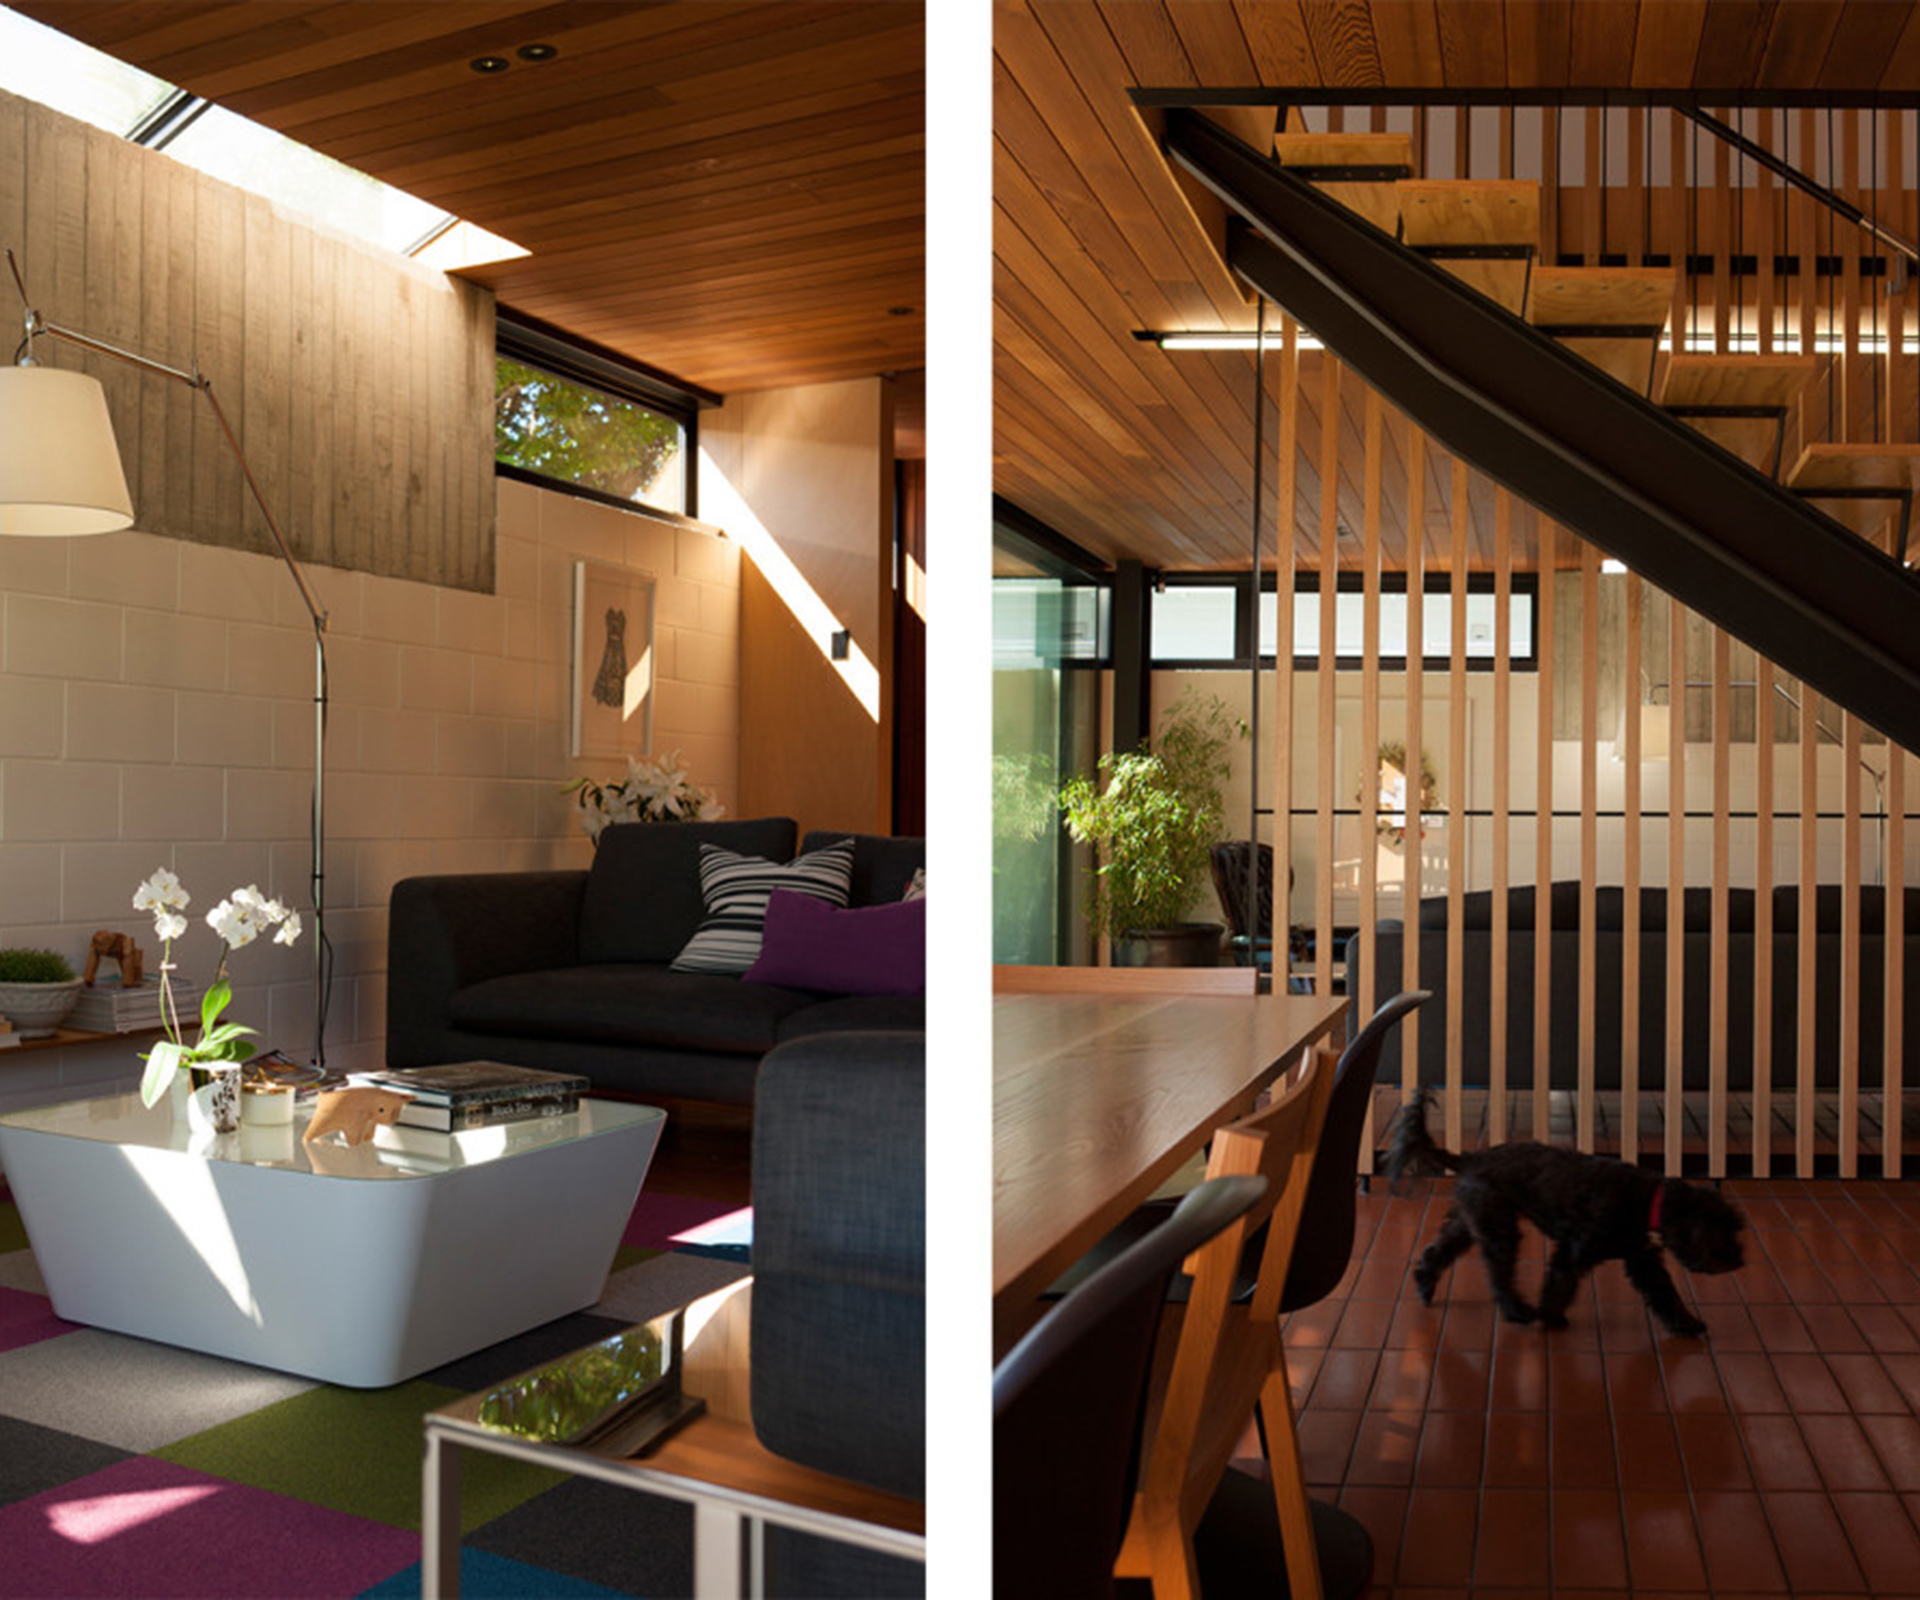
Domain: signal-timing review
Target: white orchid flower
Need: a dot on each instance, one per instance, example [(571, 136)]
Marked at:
[(289, 928), (161, 890), (168, 925), (231, 922)]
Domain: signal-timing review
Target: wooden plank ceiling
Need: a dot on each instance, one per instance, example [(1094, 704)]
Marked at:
[(1133, 452), (730, 192)]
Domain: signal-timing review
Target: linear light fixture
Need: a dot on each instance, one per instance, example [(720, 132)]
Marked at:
[(1224, 340), (61, 477)]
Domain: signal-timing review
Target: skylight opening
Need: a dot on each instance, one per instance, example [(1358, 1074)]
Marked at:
[(41, 64)]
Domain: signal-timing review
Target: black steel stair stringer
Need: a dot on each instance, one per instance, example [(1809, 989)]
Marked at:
[(1588, 452)]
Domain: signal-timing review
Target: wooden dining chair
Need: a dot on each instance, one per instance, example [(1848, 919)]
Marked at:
[(1122, 981), (1228, 1361)]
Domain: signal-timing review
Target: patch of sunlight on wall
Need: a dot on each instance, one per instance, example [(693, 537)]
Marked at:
[(724, 506)]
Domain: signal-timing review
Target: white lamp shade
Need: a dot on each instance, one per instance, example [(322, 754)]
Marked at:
[(60, 472)]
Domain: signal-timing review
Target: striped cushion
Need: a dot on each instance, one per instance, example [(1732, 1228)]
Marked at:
[(736, 888)]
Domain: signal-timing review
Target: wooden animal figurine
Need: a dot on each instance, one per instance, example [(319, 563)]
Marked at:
[(120, 949), (354, 1113)]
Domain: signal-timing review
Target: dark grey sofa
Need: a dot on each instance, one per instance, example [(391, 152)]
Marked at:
[(1518, 1009), (839, 1286), (569, 970)]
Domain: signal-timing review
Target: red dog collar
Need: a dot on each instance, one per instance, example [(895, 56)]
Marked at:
[(1653, 1212)]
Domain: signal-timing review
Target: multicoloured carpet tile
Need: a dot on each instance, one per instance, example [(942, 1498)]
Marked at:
[(134, 1468)]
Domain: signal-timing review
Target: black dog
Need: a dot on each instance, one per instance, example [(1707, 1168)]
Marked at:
[(1593, 1208)]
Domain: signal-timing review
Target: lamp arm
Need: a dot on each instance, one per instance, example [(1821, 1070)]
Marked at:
[(37, 324)]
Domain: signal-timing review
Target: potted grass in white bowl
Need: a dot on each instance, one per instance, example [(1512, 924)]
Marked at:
[(37, 989)]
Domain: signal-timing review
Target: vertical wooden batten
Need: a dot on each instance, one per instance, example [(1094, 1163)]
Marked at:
[(1672, 1108), (1329, 532), (1411, 885), (1502, 811), (1457, 800), (1547, 539), (1630, 848), (1585, 1107), (1719, 893), (1286, 490)]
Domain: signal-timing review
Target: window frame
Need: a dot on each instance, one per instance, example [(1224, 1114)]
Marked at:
[(535, 344)]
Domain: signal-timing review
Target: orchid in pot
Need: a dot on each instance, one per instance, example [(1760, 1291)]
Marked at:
[(239, 919)]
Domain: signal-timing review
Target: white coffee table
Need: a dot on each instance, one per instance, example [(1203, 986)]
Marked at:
[(360, 1266)]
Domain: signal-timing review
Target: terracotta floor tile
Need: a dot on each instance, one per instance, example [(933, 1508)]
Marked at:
[(1364, 1325), (1576, 1379), (1896, 1441), (1634, 1381), (1452, 1450), (1414, 1326), (1843, 1454), (1749, 1380), (1737, 1543), (1782, 1328), (1519, 1376), (1714, 1452), (1779, 1244), (1813, 1545), (1515, 1548), (1436, 1547), (1778, 1454), (1805, 1283), (1460, 1380), (1730, 1327), (1866, 1385), (1303, 1366), (1379, 1277), (1760, 1284), (1314, 1326), (1884, 1539), (1663, 1547), (1808, 1384), (1693, 1381), (1905, 1372), (1854, 1284), (1516, 1451), (1624, 1327), (1344, 1380), (1582, 1452), (1469, 1326), (1897, 1282), (1886, 1330), (1401, 1381), (1588, 1548), (1832, 1328), (1382, 1512), (1384, 1448), (1648, 1452), (1326, 1443)]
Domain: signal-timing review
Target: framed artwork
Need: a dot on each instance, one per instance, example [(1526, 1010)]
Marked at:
[(612, 661)]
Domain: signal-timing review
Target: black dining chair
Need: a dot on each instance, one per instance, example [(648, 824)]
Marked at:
[(1325, 1247), (1069, 1408)]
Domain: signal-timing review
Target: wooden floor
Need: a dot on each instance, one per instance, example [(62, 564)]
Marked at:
[(1695, 1110)]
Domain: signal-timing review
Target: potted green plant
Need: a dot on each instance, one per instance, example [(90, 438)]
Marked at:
[(1153, 821), (37, 989)]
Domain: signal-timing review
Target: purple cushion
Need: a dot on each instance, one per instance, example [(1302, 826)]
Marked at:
[(809, 944)]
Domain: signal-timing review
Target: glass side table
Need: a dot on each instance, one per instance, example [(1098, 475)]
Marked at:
[(660, 1408)]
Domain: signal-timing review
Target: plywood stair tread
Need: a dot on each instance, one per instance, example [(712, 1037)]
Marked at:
[(1871, 480), (1596, 296), (1737, 380), (1694, 386), (1357, 169), (1572, 303), (1438, 212)]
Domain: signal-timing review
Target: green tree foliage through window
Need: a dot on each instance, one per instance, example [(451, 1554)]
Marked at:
[(568, 431)]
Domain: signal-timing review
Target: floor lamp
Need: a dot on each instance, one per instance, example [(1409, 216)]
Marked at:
[(61, 477)]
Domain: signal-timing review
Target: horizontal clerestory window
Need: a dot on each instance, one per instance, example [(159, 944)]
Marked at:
[(566, 416)]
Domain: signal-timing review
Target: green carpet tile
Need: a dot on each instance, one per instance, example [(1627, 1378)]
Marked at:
[(357, 1451)]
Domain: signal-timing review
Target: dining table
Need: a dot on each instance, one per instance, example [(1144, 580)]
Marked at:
[(1100, 1097)]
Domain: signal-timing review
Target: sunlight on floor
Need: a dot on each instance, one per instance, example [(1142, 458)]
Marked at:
[(94, 1521)]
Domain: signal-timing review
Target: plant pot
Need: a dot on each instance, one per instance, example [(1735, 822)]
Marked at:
[(1190, 944), (214, 1105), (35, 1007)]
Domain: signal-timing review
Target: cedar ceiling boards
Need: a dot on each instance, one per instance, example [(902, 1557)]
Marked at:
[(1131, 452), (731, 192)]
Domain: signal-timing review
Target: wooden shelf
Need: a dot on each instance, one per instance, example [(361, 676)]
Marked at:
[(62, 1037)]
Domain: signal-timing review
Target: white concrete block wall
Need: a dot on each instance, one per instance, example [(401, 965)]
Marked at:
[(156, 709)]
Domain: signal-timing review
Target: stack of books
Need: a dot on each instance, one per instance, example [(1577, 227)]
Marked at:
[(108, 1007), (476, 1094)]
